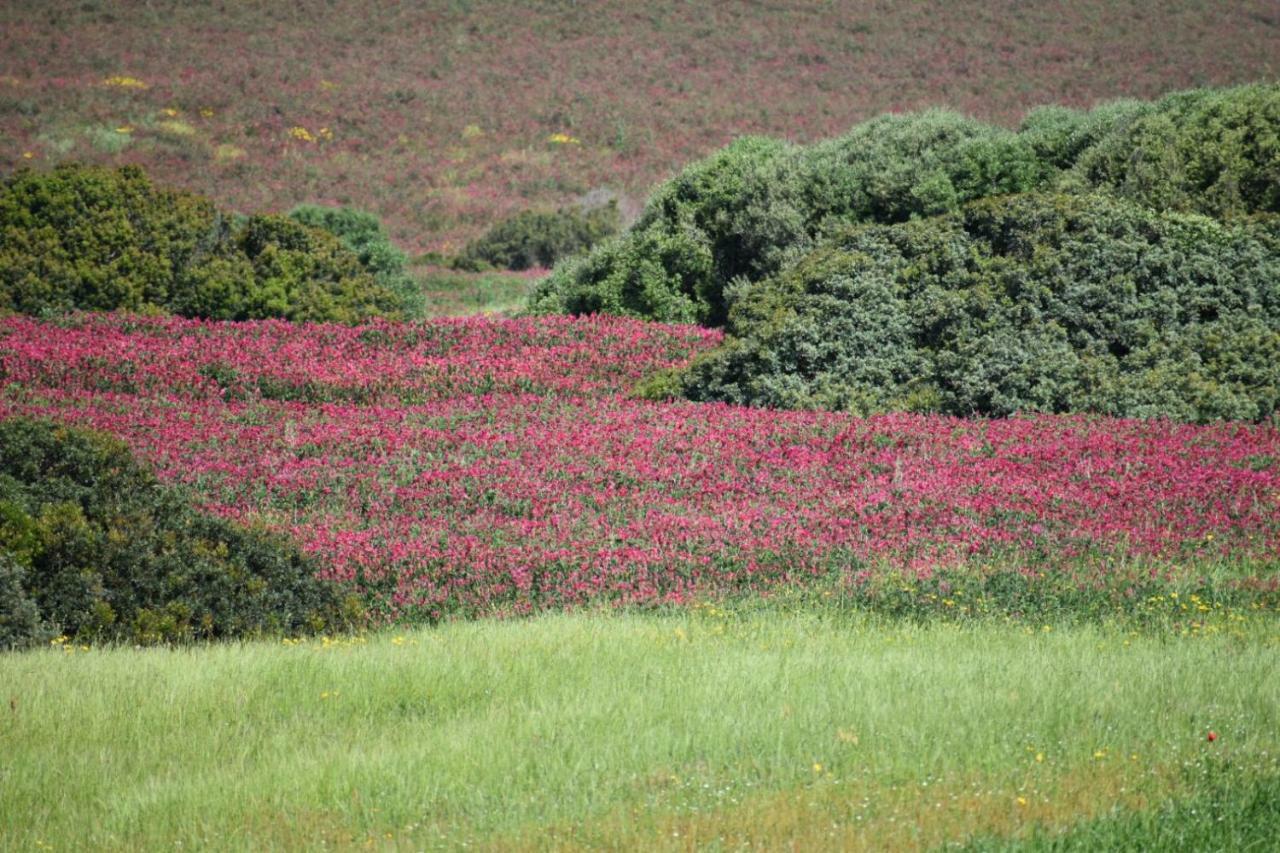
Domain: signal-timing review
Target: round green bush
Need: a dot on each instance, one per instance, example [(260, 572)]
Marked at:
[(538, 238), (364, 234)]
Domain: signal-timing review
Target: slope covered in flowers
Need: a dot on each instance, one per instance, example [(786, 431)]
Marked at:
[(494, 466)]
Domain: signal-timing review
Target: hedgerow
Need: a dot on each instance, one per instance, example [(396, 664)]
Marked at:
[(1032, 302), (104, 239), (92, 546), (745, 212)]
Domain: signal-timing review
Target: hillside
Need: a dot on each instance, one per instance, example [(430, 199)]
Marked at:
[(443, 117)]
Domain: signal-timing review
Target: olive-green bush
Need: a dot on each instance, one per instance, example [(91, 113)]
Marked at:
[(95, 238), (273, 266), (92, 546), (364, 234), (749, 210), (1020, 303), (536, 238), (1207, 151)]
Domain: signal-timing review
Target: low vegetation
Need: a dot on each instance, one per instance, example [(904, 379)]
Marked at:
[(710, 727), (483, 467), (521, 106), (453, 293)]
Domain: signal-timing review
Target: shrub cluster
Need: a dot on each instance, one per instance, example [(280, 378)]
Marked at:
[(92, 546), (363, 233), (103, 239), (1050, 303), (535, 238), (746, 212)]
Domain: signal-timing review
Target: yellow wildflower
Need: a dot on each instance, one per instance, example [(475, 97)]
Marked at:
[(122, 82)]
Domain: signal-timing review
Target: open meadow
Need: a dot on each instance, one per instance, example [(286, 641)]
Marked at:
[(707, 729)]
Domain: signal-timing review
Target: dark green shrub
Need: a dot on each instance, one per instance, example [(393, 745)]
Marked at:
[(750, 209), (364, 234), (538, 238), (103, 239), (108, 553), (691, 239), (20, 625), (1021, 303)]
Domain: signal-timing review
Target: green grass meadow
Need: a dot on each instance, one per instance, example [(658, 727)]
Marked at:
[(447, 293), (704, 729)]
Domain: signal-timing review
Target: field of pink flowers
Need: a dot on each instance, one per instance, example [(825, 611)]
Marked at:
[(477, 466)]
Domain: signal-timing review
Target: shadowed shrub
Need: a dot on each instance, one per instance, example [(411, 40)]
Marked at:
[(93, 546), (1023, 303), (538, 238)]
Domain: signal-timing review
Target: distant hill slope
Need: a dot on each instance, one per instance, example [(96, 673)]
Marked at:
[(443, 117)]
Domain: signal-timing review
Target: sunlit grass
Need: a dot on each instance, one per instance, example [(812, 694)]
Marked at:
[(450, 294), (706, 728)]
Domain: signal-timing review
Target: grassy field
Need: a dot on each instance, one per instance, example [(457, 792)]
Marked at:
[(443, 116), (446, 293), (707, 728)]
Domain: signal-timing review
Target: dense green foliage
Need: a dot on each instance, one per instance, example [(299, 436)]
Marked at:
[(364, 234), (1020, 303), (20, 623), (745, 212), (1211, 152), (103, 239), (535, 238), (93, 547)]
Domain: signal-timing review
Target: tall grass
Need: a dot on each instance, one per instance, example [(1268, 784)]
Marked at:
[(445, 293), (704, 728)]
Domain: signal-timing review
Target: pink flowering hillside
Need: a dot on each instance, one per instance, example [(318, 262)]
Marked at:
[(485, 466)]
